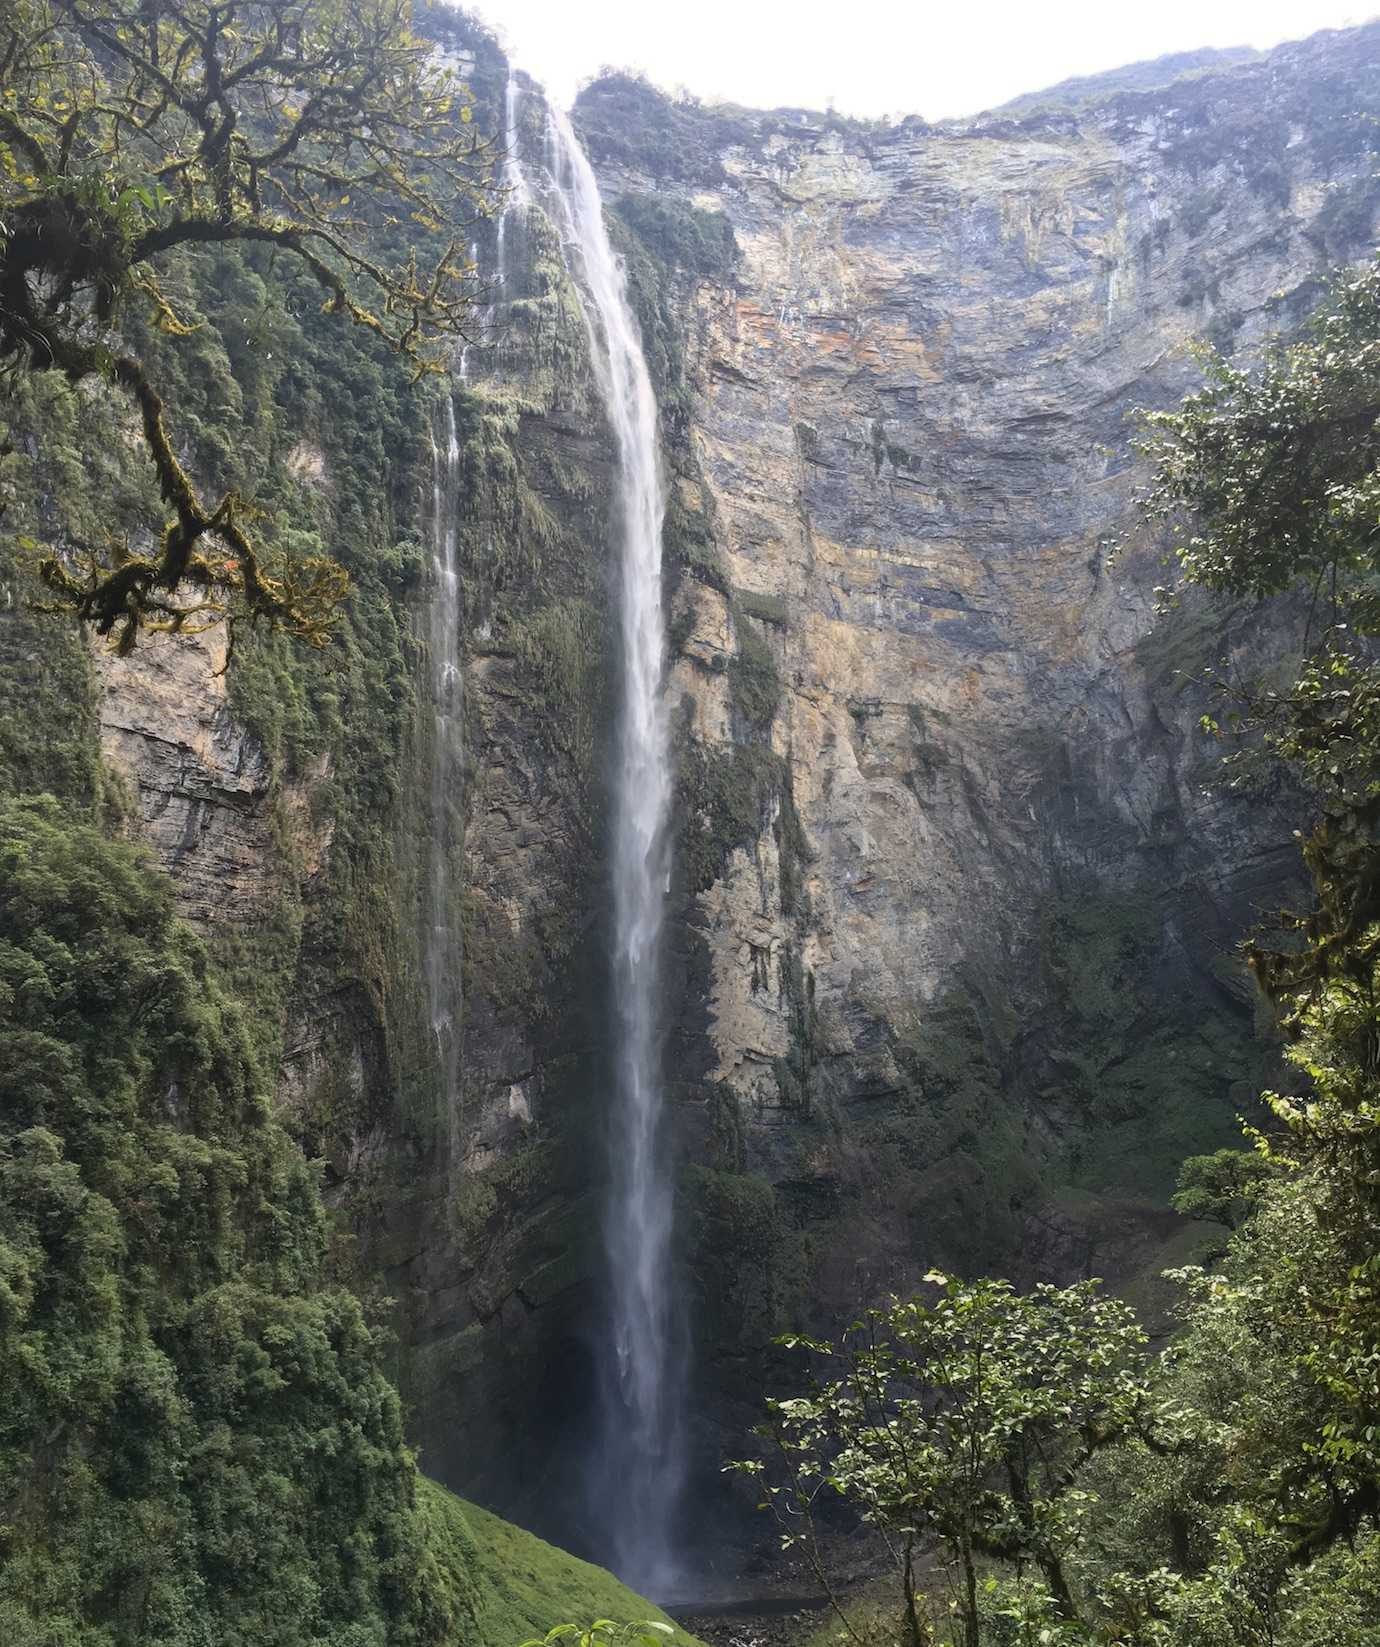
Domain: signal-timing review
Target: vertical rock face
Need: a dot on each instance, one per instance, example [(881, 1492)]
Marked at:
[(201, 781), (954, 897), (964, 951)]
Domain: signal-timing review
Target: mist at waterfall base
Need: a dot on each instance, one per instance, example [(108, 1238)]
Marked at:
[(626, 1395)]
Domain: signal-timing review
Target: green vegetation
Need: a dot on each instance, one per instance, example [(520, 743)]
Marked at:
[(740, 1249), (308, 129), (624, 118), (314, 428), (754, 685), (947, 1155), (194, 1418), (195, 1423), (690, 536), (52, 746), (1221, 1188), (683, 236), (768, 609), (1131, 1071), (1145, 1074), (327, 450), (962, 1417), (517, 1584), (728, 792), (546, 318), (1248, 143), (604, 1633)]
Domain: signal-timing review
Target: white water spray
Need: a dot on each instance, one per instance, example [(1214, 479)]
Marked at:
[(513, 183), (462, 363), (641, 1446), (443, 949)]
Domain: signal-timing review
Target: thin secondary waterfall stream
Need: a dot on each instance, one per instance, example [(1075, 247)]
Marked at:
[(641, 1445), (512, 182), (444, 948), (443, 958)]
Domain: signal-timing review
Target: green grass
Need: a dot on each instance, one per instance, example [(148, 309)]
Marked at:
[(512, 1585)]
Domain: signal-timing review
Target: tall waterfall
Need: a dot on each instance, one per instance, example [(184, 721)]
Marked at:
[(641, 1443), (443, 949)]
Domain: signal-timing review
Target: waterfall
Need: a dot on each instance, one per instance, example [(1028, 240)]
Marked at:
[(462, 362), (640, 1455), (443, 948), (512, 182)]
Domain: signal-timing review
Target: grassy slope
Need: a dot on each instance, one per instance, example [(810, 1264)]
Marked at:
[(515, 1585)]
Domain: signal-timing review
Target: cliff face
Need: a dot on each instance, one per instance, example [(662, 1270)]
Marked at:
[(954, 902), (966, 990)]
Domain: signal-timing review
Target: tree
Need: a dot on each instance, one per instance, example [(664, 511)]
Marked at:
[(964, 1417), (1245, 1510), (1220, 1188), (134, 130), (1270, 483), (1272, 480)]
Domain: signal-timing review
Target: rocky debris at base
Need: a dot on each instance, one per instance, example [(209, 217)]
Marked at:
[(754, 1630)]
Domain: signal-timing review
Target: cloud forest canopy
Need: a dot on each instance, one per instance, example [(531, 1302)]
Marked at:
[(323, 130)]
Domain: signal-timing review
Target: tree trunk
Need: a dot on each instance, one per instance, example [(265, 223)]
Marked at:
[(970, 1607), (1053, 1571), (919, 1629)]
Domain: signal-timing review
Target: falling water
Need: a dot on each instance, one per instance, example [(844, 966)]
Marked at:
[(512, 182), (641, 1444), (444, 942), (462, 361), (443, 951)]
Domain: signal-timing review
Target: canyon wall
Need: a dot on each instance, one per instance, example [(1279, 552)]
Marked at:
[(956, 886), (961, 880)]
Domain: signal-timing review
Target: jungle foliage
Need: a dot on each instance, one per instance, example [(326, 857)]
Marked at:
[(197, 1441), (961, 1418)]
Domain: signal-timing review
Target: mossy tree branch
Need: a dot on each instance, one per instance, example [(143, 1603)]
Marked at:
[(323, 128)]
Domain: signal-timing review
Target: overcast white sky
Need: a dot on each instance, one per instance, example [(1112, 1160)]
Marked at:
[(930, 57)]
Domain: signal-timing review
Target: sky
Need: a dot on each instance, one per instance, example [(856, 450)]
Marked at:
[(936, 58)]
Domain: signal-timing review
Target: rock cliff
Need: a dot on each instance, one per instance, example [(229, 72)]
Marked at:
[(956, 894), (964, 988)]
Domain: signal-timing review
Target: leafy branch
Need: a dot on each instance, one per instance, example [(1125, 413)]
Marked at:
[(129, 131)]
